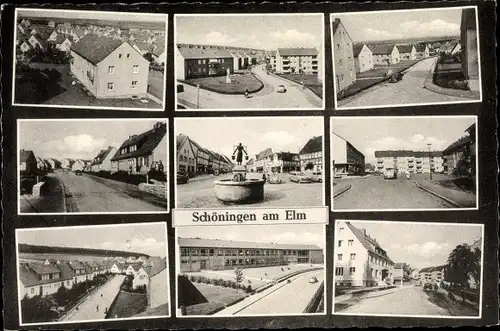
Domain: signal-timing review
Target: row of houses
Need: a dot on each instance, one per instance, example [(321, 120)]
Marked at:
[(193, 158), (457, 157), (139, 153), (45, 278), (198, 254)]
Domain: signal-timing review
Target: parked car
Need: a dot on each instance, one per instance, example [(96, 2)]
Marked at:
[(390, 173), (281, 89), (395, 77), (182, 178), (317, 176), (300, 177), (313, 280), (78, 172), (429, 287)]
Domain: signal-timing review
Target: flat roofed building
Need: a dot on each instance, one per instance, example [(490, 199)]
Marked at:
[(298, 60), (210, 254), (346, 159), (202, 61), (405, 161)]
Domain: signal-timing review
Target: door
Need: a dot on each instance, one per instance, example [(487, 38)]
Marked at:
[(203, 264), (41, 291)]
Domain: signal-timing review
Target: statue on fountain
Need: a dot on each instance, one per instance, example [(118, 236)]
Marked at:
[(239, 150), (239, 170)]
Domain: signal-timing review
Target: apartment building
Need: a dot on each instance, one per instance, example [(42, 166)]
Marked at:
[(297, 60), (433, 274), (343, 56), (194, 61), (359, 260), (346, 159), (413, 162), (211, 254)]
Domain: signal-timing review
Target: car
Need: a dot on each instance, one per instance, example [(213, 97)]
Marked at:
[(182, 178), (390, 173), (78, 173), (429, 287), (313, 280), (281, 89), (300, 177), (395, 77), (135, 97), (317, 176)]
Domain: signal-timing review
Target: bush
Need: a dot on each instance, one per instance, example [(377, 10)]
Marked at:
[(249, 289), (451, 296)]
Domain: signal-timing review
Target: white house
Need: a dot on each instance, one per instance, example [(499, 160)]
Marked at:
[(385, 54), (186, 156), (363, 58), (407, 52), (103, 160)]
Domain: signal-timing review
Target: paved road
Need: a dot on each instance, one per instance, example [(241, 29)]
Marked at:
[(407, 91), (379, 193), (200, 193), (88, 309), (90, 195), (295, 97), (406, 300), (289, 298)]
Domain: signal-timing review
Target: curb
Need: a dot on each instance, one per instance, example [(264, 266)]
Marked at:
[(298, 84), (342, 191), (223, 92), (455, 204)]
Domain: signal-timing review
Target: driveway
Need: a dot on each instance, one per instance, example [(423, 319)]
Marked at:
[(410, 90), (295, 96)]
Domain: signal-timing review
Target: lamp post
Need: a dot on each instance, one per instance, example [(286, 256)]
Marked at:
[(430, 167)]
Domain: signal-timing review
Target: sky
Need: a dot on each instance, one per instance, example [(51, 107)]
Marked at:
[(220, 135), (95, 15), (368, 135), (420, 245), (77, 139), (374, 26), (259, 31), (137, 238), (304, 234)]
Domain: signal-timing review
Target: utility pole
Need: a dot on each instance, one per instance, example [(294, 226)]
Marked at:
[(430, 167)]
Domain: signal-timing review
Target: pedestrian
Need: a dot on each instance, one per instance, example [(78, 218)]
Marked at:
[(101, 295), (97, 308)]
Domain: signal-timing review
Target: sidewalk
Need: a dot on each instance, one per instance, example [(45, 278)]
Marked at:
[(472, 94), (340, 188), (461, 199)]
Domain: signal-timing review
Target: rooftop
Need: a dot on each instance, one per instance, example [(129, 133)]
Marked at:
[(203, 52), (146, 142), (95, 48), (215, 243), (298, 51), (381, 49), (315, 144)]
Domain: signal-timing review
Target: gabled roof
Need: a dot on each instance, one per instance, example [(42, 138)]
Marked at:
[(94, 48), (43, 269), (146, 142), (154, 266), (300, 51), (102, 155), (24, 155), (214, 243), (405, 48), (335, 25), (420, 47), (357, 49), (381, 49), (159, 49), (29, 278), (315, 144), (457, 145), (265, 153), (76, 265), (180, 140), (433, 268), (367, 241), (203, 53), (66, 271)]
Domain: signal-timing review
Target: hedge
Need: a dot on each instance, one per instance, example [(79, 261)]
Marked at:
[(220, 282)]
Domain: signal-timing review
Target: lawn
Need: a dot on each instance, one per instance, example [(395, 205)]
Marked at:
[(239, 83), (218, 298), (454, 307), (161, 310), (127, 304), (381, 71), (310, 80), (358, 86)]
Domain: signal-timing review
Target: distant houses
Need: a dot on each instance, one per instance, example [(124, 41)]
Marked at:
[(422, 51), (385, 54), (407, 52), (363, 58), (102, 161), (343, 55)]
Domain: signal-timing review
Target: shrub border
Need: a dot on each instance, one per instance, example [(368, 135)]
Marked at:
[(225, 92)]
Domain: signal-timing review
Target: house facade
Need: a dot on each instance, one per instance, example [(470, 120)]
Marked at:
[(202, 61), (186, 157), (407, 52), (205, 254), (27, 161), (297, 60), (346, 159), (413, 162), (311, 155), (469, 42), (434, 275), (422, 51), (102, 161), (363, 58), (359, 260), (143, 152), (78, 165), (343, 56), (109, 68), (385, 54)]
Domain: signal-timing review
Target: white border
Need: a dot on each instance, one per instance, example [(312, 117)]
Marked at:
[(18, 172), (395, 12), (296, 118), (252, 109), (132, 14), (419, 316), (177, 273), (19, 298), (333, 120)]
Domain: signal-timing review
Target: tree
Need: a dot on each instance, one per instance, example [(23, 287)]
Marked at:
[(309, 166), (61, 296), (461, 265), (239, 276)]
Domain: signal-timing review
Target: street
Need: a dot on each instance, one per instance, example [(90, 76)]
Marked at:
[(89, 194), (405, 300), (288, 298), (200, 194), (375, 192), (295, 96), (87, 310), (409, 90)]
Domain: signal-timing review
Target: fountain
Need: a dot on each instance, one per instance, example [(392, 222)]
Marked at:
[(239, 188)]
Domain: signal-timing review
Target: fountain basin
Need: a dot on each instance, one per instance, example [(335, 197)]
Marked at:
[(250, 190)]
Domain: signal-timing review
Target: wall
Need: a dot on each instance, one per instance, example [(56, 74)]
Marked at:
[(158, 289), (79, 67), (339, 149), (158, 190), (179, 65), (364, 60), (345, 73), (160, 152), (316, 257), (358, 278)]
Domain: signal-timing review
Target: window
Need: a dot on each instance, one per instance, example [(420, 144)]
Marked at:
[(350, 242), (339, 257), (342, 77), (340, 243), (120, 55), (353, 256), (338, 47), (352, 270), (136, 68), (111, 70), (211, 252), (32, 291), (111, 86), (341, 230), (340, 62), (134, 84), (339, 271), (128, 55)]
